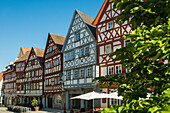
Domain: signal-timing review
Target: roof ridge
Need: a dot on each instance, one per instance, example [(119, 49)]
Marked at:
[(56, 34), (86, 18), (58, 39)]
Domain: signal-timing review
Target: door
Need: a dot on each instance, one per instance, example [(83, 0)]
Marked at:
[(76, 102), (49, 102)]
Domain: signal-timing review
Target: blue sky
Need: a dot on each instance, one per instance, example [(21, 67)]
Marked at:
[(27, 22)]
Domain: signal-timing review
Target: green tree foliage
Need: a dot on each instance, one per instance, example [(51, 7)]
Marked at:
[(144, 56)]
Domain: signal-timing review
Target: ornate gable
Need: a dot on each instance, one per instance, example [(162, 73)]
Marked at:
[(51, 48), (107, 28), (33, 61), (79, 28)]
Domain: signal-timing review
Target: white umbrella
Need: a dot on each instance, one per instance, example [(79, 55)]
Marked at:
[(89, 96), (94, 95), (113, 95)]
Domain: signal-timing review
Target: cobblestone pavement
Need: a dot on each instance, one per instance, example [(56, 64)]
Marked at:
[(45, 110), (4, 110)]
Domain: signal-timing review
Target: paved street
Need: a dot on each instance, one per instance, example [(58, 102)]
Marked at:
[(46, 110)]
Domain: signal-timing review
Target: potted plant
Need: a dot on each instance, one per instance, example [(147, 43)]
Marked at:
[(35, 104)]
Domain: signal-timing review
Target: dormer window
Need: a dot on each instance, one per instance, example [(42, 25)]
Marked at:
[(77, 37), (110, 25), (51, 49)]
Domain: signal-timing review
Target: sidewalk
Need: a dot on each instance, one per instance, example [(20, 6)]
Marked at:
[(49, 110), (44, 110)]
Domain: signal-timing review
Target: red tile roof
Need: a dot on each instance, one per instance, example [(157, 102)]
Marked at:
[(1, 76), (38, 51), (58, 39), (87, 19), (25, 49), (24, 57)]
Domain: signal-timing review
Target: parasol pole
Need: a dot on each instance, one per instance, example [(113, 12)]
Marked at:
[(93, 105)]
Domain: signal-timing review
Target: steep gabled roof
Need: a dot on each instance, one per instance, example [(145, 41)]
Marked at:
[(24, 57), (38, 51), (22, 51), (58, 39), (99, 13), (88, 22), (25, 49), (1, 76), (87, 19)]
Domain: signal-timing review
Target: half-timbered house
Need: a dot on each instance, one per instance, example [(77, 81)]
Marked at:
[(20, 78), (1, 89), (34, 76), (53, 67), (9, 83), (79, 60), (109, 38)]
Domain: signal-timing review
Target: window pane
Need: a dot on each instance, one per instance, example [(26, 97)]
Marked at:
[(75, 73), (77, 37), (87, 51), (68, 74), (67, 56), (72, 56), (108, 49), (51, 49), (82, 73), (116, 47), (81, 52), (127, 42), (89, 71), (109, 25)]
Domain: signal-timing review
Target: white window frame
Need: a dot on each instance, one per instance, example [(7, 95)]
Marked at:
[(82, 54), (89, 70), (75, 73), (116, 47), (112, 70), (67, 56), (77, 35), (32, 73), (72, 55), (86, 51), (125, 42), (69, 77), (106, 49), (118, 69), (82, 76), (109, 25)]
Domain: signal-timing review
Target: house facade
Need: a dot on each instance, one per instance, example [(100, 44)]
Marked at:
[(20, 78), (79, 61), (109, 38), (1, 89), (53, 67), (9, 83), (34, 82)]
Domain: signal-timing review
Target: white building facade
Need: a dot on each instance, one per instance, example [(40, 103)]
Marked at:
[(80, 61)]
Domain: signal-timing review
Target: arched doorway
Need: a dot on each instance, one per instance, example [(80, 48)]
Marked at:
[(50, 102)]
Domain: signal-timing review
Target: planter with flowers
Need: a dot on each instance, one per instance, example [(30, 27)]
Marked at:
[(35, 104)]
